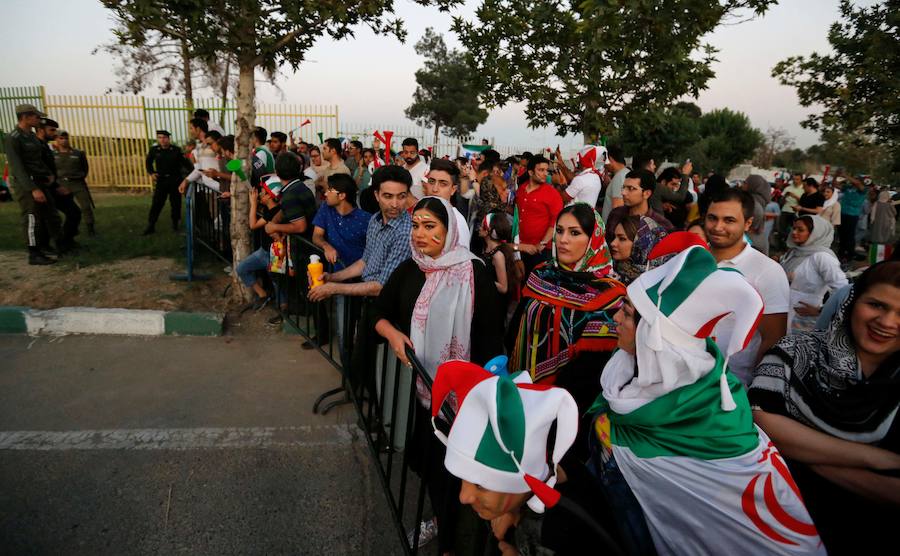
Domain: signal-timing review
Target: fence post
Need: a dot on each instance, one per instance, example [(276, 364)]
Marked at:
[(189, 275)]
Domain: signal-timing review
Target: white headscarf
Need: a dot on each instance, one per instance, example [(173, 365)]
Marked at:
[(820, 239), (441, 327)]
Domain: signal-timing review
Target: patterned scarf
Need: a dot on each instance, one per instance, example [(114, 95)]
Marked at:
[(441, 335), (649, 233), (567, 311), (816, 377)]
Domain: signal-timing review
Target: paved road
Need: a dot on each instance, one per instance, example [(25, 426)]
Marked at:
[(179, 446)]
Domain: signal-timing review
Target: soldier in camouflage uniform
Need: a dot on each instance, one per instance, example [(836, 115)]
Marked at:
[(31, 178), (71, 171)]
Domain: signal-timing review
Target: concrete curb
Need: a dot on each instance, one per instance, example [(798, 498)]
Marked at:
[(89, 320)]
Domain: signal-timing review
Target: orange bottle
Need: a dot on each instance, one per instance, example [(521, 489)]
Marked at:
[(316, 270)]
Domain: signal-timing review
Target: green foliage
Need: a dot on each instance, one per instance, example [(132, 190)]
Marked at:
[(447, 95), (663, 133), (585, 66), (727, 139), (856, 86)]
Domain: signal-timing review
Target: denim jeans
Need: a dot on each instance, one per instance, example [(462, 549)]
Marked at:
[(256, 261)]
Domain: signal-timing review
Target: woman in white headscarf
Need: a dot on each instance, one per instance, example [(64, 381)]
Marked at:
[(812, 269), (439, 302)]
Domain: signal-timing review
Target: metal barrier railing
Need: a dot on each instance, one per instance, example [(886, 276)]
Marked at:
[(212, 221)]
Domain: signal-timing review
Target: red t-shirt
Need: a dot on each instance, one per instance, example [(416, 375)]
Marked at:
[(537, 212)]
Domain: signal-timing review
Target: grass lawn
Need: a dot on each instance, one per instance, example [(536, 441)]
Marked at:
[(120, 219)]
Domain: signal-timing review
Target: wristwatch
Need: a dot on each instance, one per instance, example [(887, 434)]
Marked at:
[(515, 247)]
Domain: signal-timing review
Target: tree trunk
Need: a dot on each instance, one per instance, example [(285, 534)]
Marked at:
[(437, 127), (590, 127), (240, 201), (186, 77), (225, 82)]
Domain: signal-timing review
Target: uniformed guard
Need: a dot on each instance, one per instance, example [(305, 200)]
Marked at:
[(62, 197), (30, 178), (167, 166), (71, 171)]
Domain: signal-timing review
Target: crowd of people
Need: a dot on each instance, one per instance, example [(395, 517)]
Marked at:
[(643, 359), (698, 349)]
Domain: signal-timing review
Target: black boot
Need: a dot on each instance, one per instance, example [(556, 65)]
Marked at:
[(37, 258), (148, 231)]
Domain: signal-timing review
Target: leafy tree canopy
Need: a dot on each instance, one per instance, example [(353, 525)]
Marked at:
[(447, 95), (856, 86), (583, 66)]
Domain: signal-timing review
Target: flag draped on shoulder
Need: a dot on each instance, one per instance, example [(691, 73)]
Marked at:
[(680, 427)]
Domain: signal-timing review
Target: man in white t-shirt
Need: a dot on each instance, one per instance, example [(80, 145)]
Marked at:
[(443, 181), (728, 218), (211, 125), (615, 165), (417, 167), (586, 185)]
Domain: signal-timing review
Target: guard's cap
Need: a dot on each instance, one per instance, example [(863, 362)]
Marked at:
[(163, 132), (47, 122), (26, 108), (63, 133)]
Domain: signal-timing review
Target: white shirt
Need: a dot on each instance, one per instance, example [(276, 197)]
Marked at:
[(771, 282), (585, 188), (214, 126), (465, 236), (819, 273), (418, 174), (613, 191)]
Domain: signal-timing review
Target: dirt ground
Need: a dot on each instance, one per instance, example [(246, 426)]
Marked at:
[(141, 283)]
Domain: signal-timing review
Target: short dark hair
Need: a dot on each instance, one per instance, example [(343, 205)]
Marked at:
[(200, 124), (201, 113), (648, 183), (811, 182), (410, 141), (535, 160), (391, 172), (342, 183), (735, 194), (280, 136), (214, 134), (451, 168), (640, 161), (669, 174), (487, 165), (434, 205), (334, 144), (288, 166), (490, 154), (227, 143), (260, 133), (357, 144), (616, 153)]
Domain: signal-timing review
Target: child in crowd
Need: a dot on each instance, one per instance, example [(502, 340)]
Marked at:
[(499, 257)]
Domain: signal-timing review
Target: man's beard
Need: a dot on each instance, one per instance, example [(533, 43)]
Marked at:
[(411, 161)]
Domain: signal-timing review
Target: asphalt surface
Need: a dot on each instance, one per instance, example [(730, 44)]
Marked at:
[(180, 446)]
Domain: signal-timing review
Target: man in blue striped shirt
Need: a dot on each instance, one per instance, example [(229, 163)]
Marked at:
[(387, 240)]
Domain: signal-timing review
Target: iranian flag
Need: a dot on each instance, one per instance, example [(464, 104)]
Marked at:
[(880, 252), (469, 151), (681, 429)]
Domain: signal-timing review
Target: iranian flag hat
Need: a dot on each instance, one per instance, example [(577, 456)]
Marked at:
[(592, 156), (687, 296), (273, 186), (499, 437)]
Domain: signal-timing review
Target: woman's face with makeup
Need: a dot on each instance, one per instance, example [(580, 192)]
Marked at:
[(428, 233)]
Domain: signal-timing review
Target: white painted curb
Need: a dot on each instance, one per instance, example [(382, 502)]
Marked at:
[(89, 320)]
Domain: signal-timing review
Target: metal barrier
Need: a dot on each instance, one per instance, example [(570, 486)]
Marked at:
[(212, 221)]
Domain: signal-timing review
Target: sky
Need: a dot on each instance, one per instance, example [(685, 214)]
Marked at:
[(371, 78)]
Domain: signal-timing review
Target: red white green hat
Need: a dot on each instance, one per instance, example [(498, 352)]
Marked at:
[(688, 296), (592, 156), (273, 186), (499, 437)]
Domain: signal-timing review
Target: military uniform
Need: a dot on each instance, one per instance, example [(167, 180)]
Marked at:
[(72, 169), (30, 172), (64, 201), (170, 167)]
